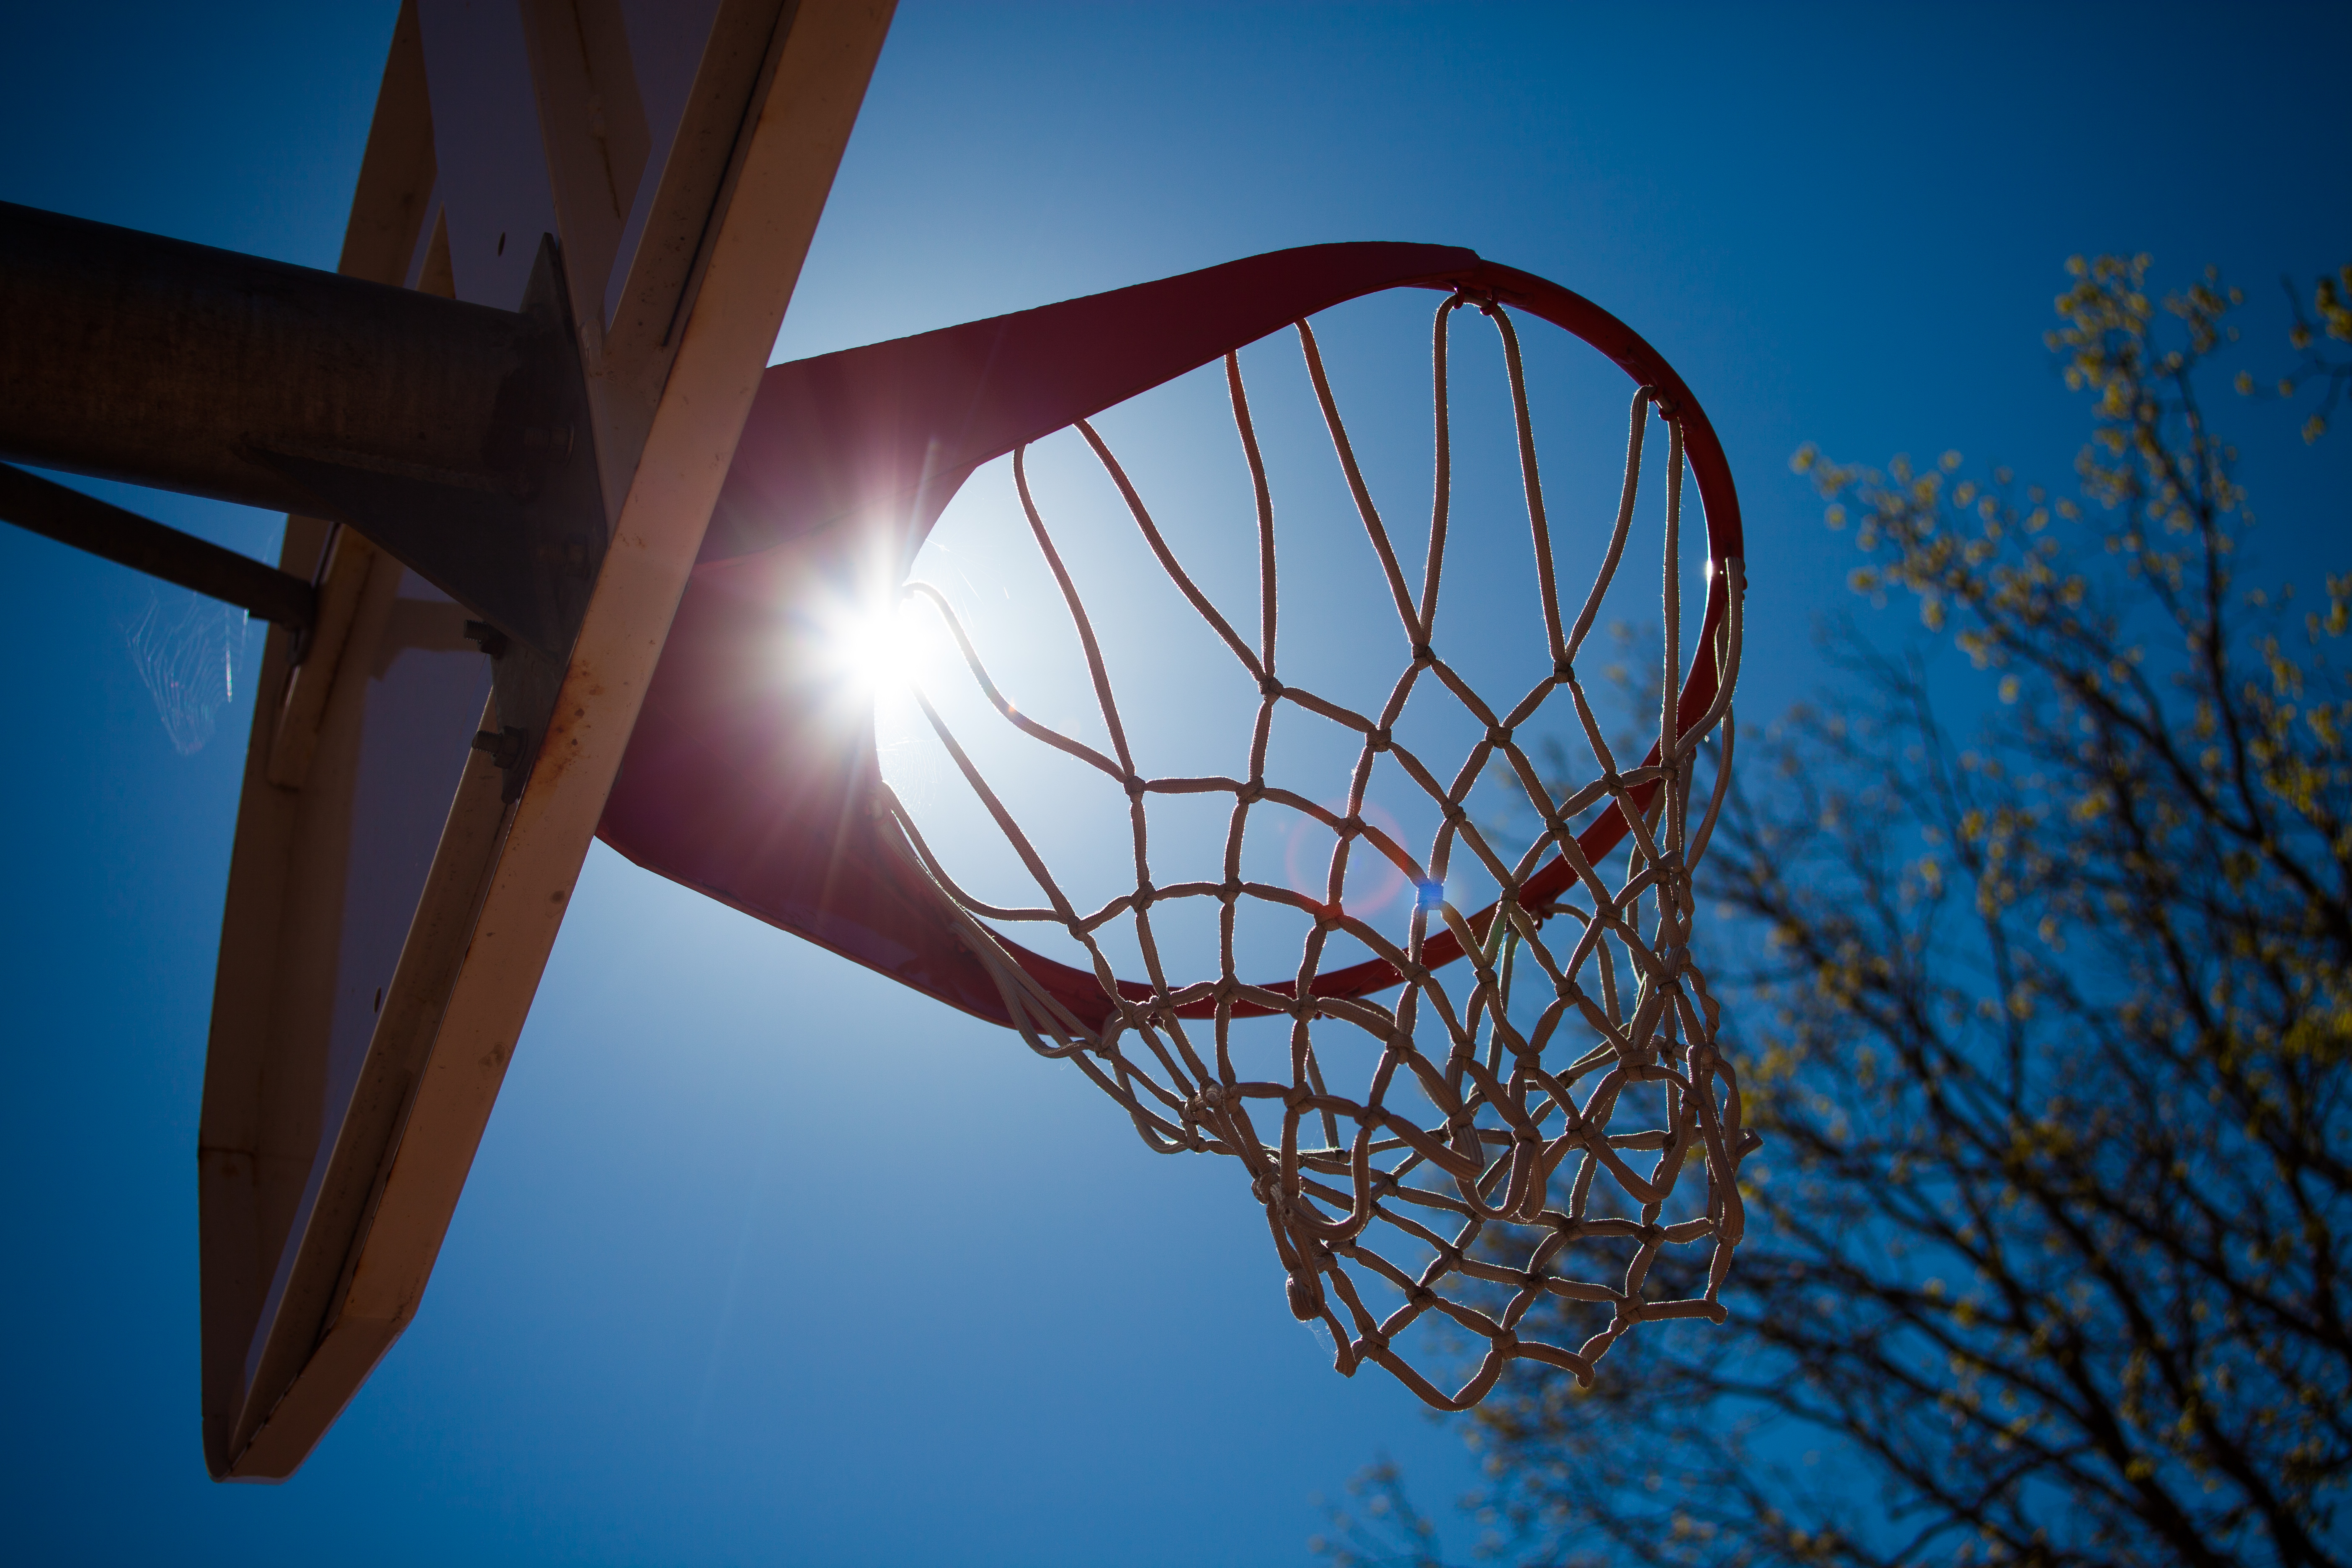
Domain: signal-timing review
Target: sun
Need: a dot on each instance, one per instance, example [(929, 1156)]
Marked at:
[(871, 648), (878, 648)]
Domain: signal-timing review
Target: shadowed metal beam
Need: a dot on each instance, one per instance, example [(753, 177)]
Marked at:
[(132, 356), (88, 523), (453, 435)]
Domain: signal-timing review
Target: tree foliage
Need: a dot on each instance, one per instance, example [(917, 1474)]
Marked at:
[(2046, 1027)]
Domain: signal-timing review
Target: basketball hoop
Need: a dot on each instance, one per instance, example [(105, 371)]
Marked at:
[(1488, 1158)]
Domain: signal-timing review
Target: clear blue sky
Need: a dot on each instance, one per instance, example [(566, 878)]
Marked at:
[(656, 1334)]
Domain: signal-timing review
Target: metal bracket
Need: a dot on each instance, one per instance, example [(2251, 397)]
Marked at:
[(518, 542)]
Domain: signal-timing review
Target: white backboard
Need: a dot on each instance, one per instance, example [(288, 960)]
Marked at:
[(389, 914)]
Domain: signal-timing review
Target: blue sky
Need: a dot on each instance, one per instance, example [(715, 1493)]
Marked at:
[(664, 1328)]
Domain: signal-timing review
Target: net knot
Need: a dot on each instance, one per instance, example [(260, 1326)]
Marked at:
[(1381, 740), (1134, 787), (1563, 669), (1268, 686), (1144, 895), (1498, 734), (1250, 793), (1230, 890), (1422, 654)]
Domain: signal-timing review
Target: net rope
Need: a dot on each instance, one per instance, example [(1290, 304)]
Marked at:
[(1552, 1141)]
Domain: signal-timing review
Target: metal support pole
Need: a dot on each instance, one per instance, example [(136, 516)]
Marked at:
[(130, 356), (142, 544), (455, 436)]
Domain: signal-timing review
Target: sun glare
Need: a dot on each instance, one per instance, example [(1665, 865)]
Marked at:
[(873, 649)]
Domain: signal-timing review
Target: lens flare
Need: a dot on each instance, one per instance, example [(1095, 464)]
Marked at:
[(872, 648)]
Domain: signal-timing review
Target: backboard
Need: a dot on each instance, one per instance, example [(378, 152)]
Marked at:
[(399, 874)]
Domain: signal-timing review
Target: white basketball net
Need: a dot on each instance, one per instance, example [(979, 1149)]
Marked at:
[(1501, 1151)]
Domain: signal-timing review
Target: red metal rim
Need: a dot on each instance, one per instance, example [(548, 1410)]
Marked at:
[(752, 796)]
